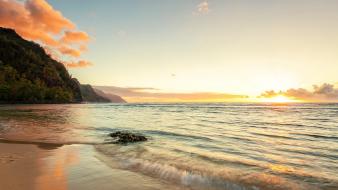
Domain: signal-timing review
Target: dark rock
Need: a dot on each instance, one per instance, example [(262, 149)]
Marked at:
[(126, 137)]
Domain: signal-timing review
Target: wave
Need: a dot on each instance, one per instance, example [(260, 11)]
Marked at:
[(318, 119), (194, 174), (180, 135), (330, 157), (188, 178), (318, 136), (46, 142), (272, 136)]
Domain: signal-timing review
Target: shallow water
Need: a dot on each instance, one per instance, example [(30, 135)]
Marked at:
[(197, 146)]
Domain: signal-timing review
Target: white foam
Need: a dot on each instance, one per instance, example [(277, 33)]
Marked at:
[(183, 177)]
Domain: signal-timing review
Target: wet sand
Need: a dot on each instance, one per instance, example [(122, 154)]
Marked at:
[(43, 166)]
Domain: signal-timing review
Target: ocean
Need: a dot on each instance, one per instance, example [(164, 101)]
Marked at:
[(231, 146)]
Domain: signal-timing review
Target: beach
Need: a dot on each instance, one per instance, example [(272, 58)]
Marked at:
[(46, 166), (168, 95)]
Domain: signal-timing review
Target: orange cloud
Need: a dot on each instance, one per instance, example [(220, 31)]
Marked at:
[(46, 17), (150, 95), (78, 64), (71, 37), (83, 48), (322, 93), (38, 21), (66, 50)]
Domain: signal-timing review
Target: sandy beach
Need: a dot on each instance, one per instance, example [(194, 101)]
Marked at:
[(43, 166)]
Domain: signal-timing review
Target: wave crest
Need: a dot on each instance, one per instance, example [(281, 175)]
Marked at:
[(184, 172)]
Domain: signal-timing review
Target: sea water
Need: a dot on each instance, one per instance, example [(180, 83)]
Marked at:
[(197, 146)]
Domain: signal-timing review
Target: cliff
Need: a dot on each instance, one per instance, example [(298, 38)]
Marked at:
[(112, 97), (29, 75), (89, 95)]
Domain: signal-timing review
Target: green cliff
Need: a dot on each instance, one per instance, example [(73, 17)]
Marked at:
[(29, 75)]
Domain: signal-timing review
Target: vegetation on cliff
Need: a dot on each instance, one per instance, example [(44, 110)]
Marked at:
[(29, 75)]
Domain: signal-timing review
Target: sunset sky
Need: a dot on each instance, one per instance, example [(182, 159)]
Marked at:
[(175, 47)]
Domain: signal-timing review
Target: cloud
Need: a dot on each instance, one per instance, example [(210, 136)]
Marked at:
[(152, 94), (202, 8), (269, 94), (78, 64), (38, 21), (66, 50), (71, 37), (46, 17), (322, 93)]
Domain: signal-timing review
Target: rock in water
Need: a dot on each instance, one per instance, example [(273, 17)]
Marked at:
[(126, 137)]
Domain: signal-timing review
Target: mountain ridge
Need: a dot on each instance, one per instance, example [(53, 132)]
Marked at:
[(29, 75), (112, 97)]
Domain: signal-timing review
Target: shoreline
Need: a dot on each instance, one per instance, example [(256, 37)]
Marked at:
[(46, 166)]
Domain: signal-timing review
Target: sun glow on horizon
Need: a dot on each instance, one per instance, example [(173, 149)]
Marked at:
[(279, 99)]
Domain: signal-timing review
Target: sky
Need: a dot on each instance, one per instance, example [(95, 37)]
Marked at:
[(225, 47)]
